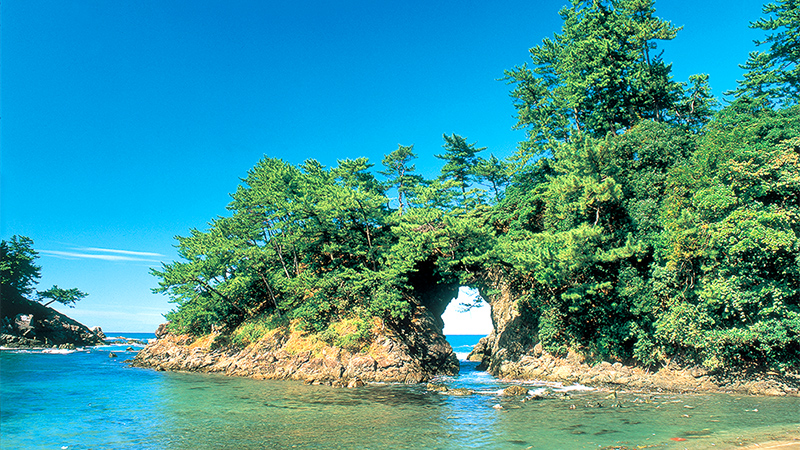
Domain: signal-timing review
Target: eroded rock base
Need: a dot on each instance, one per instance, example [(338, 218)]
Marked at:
[(416, 355), (573, 369)]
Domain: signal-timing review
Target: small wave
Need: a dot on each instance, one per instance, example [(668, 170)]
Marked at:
[(573, 387), (58, 351), (488, 391), (39, 351), (15, 350)]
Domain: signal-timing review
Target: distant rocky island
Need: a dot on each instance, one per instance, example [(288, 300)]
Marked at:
[(27, 323)]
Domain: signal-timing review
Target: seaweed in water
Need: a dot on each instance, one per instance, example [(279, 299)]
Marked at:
[(604, 431)]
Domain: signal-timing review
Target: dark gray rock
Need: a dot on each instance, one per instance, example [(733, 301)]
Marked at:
[(25, 326), (27, 323), (98, 332)]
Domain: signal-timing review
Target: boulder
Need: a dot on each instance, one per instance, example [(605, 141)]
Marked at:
[(515, 391), (436, 387), (98, 332), (460, 392), (354, 383)]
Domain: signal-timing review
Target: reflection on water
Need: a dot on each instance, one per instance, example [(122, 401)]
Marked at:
[(88, 400)]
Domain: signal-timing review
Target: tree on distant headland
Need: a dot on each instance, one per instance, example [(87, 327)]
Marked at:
[(19, 274)]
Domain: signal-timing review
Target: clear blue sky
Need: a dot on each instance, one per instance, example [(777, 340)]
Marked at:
[(125, 123)]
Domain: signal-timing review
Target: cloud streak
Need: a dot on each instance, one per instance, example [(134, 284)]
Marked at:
[(103, 254), (119, 252)]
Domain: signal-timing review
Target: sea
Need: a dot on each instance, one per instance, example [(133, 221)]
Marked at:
[(89, 399)]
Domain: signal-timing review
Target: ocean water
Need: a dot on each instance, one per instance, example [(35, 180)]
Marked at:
[(88, 400)]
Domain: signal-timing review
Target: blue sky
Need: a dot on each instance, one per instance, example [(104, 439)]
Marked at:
[(127, 123)]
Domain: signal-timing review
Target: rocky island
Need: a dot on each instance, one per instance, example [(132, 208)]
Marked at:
[(27, 323), (417, 352), (640, 236)]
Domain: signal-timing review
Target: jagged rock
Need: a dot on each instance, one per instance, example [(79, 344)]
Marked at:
[(436, 387), (511, 337), (112, 355), (25, 326), (162, 330), (481, 351), (98, 332), (412, 352), (354, 383), (515, 391), (30, 324)]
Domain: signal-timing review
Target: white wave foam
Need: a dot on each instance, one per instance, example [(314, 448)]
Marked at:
[(573, 387), (58, 351)]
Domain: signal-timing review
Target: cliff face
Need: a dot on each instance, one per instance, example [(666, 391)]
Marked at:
[(413, 353), (30, 324), (512, 336)]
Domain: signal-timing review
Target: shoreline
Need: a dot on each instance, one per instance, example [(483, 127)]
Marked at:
[(725, 436), (332, 366), (776, 444), (783, 438), (575, 369)]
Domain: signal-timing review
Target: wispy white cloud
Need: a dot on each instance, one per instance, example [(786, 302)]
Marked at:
[(120, 252), (102, 254)]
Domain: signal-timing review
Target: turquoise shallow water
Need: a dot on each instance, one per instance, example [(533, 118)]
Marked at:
[(85, 399)]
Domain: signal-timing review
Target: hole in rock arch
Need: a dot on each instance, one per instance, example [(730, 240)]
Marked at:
[(474, 319)]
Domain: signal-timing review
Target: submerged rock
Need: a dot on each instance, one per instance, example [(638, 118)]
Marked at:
[(460, 391), (436, 387)]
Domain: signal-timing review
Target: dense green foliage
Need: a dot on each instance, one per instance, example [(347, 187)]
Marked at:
[(637, 222), (774, 75), (19, 274)]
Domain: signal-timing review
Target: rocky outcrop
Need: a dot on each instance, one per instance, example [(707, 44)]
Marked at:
[(413, 353), (573, 369), (30, 324), (511, 337), (511, 351)]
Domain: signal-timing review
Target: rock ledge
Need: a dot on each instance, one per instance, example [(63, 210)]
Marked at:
[(414, 355)]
